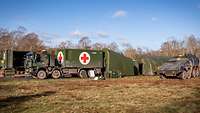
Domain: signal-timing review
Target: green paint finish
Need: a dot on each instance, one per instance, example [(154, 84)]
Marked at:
[(117, 65), (12, 61), (71, 58), (113, 64), (150, 65)]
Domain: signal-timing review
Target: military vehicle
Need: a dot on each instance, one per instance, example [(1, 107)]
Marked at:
[(182, 66), (56, 63), (12, 62)]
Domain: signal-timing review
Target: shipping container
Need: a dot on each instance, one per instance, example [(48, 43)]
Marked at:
[(77, 57)]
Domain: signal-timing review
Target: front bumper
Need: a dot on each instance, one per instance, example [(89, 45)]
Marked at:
[(169, 72)]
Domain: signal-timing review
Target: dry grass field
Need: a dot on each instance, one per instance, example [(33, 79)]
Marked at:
[(139, 94)]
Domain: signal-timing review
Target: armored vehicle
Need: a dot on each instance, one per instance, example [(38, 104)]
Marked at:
[(56, 63), (182, 66)]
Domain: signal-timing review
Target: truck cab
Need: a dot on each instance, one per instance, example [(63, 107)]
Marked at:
[(35, 62)]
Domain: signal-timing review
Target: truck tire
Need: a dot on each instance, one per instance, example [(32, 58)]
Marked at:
[(190, 74), (56, 74), (83, 74), (41, 74), (184, 75), (162, 76), (195, 72)]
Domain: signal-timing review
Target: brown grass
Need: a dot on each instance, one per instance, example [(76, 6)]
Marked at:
[(141, 94)]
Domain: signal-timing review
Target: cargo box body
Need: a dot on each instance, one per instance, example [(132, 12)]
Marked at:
[(72, 58)]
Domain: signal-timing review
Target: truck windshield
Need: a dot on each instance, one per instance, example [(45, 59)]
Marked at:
[(29, 55)]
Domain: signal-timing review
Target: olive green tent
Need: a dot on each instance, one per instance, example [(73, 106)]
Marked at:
[(150, 65), (117, 65)]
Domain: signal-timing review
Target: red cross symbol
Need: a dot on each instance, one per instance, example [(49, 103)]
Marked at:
[(84, 58), (60, 57)]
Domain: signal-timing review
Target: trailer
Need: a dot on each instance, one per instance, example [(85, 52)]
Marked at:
[(56, 63)]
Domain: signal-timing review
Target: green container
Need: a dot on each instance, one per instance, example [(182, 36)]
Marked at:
[(79, 58)]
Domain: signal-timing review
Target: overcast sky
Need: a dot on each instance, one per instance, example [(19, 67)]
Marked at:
[(142, 23)]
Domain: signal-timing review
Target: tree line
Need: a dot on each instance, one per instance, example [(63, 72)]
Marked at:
[(21, 40)]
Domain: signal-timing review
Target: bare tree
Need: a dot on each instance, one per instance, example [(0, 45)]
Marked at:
[(30, 42), (139, 51), (192, 44), (19, 32), (130, 53), (113, 46), (6, 40), (98, 46), (84, 42), (171, 48), (65, 44), (20, 40)]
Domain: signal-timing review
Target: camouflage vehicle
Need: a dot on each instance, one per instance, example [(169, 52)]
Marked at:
[(183, 67), (85, 63)]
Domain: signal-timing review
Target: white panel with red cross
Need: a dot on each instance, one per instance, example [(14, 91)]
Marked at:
[(84, 58), (60, 57)]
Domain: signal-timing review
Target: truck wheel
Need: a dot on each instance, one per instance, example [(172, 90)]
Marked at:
[(41, 74), (56, 74), (162, 76), (190, 74), (195, 73), (184, 75), (83, 74)]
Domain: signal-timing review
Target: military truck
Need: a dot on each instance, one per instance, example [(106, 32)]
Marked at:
[(12, 62), (182, 66), (56, 63)]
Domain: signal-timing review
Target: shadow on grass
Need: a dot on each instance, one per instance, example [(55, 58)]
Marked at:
[(17, 100), (189, 104)]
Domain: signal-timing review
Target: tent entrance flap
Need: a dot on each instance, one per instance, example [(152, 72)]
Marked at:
[(140, 68)]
